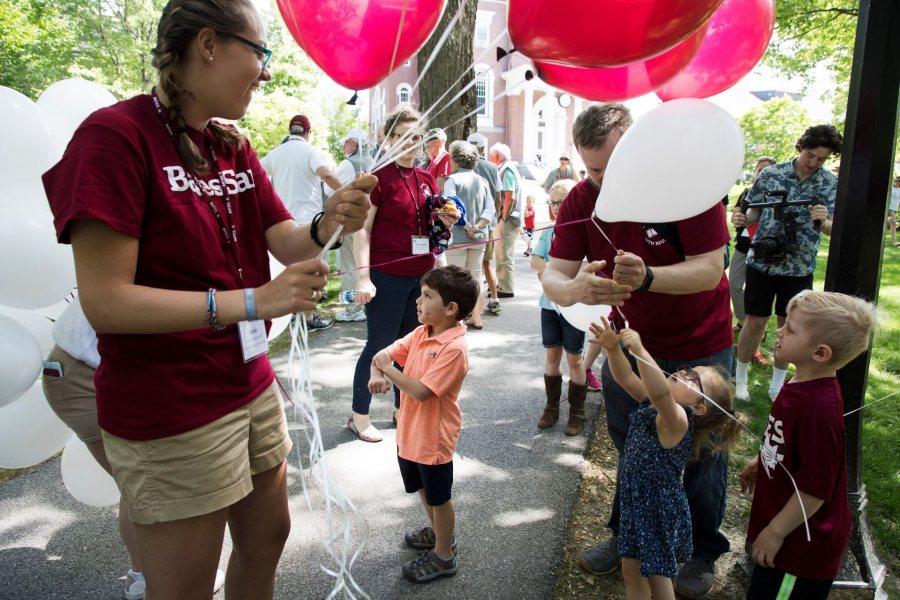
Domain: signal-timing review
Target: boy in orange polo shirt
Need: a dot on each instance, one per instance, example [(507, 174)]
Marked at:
[(435, 360)]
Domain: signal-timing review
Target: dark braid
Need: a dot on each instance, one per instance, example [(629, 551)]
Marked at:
[(179, 24)]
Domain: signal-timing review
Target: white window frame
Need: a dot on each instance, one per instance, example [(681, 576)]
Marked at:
[(485, 73), (404, 88), (482, 36)]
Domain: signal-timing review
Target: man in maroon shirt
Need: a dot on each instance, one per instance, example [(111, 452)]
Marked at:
[(439, 165), (667, 281)]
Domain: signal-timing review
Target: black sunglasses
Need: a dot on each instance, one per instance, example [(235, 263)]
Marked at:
[(265, 53)]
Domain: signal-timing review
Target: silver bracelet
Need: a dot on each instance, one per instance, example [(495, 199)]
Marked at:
[(250, 303)]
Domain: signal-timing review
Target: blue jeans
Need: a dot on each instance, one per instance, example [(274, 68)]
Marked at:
[(389, 316), (704, 479)]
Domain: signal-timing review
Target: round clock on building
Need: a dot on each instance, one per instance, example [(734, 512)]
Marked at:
[(565, 100)]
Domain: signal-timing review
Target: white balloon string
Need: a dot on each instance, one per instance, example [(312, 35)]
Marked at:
[(331, 241), (399, 33), (731, 416), (867, 405), (379, 159), (440, 44), (594, 219), (339, 510)]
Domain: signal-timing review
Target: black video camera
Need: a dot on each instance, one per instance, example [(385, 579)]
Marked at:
[(776, 248)]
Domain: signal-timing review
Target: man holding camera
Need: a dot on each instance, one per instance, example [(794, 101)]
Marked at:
[(793, 202)]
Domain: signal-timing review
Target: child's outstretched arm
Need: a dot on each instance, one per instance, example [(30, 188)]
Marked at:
[(672, 423), (618, 363), (769, 541), (413, 387)]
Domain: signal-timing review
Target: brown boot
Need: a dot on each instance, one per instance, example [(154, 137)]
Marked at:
[(553, 387), (577, 394)]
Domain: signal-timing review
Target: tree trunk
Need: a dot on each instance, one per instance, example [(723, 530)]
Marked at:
[(451, 61)]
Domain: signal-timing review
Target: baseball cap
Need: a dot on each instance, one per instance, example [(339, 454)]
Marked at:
[(436, 133), (564, 155), (302, 121), (477, 140), (356, 134)]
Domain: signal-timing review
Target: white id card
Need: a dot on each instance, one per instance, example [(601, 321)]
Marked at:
[(254, 341), (419, 245)]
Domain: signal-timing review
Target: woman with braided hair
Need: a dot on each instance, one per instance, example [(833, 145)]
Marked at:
[(170, 217)]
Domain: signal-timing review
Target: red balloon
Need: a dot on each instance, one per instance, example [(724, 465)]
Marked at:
[(353, 40), (603, 33), (737, 37), (621, 83)]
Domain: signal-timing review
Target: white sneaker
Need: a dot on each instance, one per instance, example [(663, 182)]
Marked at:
[(346, 316), (135, 584), (740, 390)]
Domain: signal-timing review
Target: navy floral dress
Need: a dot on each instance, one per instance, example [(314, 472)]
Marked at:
[(656, 521)]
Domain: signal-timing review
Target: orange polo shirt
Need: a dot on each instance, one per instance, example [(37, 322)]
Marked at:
[(427, 430)]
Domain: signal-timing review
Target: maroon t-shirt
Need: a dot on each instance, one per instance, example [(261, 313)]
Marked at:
[(122, 168), (805, 434), (400, 198), (672, 326), (440, 166)]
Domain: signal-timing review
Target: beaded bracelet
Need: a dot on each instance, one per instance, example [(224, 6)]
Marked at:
[(212, 317)]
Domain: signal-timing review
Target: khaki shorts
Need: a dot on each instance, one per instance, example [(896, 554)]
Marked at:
[(72, 396), (489, 247), (202, 470)]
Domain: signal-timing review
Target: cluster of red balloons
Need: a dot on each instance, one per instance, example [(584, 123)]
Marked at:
[(359, 43), (612, 50)]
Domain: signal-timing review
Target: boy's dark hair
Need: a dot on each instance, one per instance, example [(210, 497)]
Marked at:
[(454, 284), (821, 135)]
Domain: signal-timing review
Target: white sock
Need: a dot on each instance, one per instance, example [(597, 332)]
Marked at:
[(778, 376), (740, 372), (136, 575)]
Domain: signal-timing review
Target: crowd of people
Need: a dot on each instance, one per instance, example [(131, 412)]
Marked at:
[(172, 216)]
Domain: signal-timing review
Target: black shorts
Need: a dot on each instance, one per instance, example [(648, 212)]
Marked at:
[(761, 289), (436, 480), (768, 584)]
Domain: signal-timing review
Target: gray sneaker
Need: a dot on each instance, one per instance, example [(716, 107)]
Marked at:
[(494, 307), (318, 322), (429, 567), (602, 558), (423, 539), (696, 578)]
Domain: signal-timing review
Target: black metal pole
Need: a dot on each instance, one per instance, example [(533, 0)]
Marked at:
[(854, 259)]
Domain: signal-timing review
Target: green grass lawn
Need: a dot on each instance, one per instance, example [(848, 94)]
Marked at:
[(881, 442)]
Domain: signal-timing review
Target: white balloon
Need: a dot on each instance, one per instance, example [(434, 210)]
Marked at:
[(67, 103), (581, 315), (37, 325), (27, 148), (85, 478), (20, 360), (30, 432), (35, 270), (675, 162)]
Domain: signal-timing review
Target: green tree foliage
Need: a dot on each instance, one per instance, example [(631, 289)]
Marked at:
[(816, 33), (35, 45), (772, 129)]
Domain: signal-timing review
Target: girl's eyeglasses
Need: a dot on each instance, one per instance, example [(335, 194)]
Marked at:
[(689, 374), (555, 204)]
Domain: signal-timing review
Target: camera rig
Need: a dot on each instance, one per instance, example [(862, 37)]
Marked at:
[(777, 248)]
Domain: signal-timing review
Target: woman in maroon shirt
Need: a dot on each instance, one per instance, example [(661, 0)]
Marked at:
[(170, 217), (394, 242)]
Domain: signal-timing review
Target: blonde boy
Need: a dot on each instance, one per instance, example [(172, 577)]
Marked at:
[(434, 358), (823, 332)]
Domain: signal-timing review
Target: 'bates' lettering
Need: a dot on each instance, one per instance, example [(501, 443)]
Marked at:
[(235, 183)]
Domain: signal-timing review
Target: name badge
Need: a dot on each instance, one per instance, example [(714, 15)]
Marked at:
[(254, 342), (419, 245)]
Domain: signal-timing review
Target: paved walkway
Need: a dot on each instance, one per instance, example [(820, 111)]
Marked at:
[(514, 486)]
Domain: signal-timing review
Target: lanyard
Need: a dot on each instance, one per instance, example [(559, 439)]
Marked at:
[(230, 239), (412, 196)]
